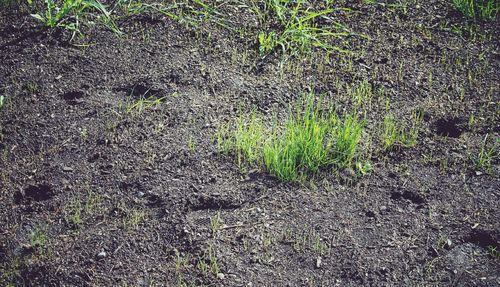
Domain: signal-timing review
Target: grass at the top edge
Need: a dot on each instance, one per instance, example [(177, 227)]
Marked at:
[(478, 9)]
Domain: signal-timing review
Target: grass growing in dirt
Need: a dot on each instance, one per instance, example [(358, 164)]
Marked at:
[(297, 30), (396, 134), (478, 9), (311, 139), (69, 14), (488, 154)]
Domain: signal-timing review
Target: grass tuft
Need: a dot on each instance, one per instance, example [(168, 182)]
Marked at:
[(310, 139)]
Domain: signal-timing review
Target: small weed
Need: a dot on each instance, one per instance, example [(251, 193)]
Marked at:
[(2, 101), (83, 133), (363, 168), (478, 9), (493, 252)]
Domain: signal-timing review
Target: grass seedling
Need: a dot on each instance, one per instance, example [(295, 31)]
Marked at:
[(93, 203), (361, 93), (487, 155), (215, 223), (209, 262), (181, 263), (139, 106), (246, 140)]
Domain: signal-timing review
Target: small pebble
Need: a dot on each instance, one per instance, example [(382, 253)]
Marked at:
[(221, 276), (318, 262), (67, 168), (101, 254)]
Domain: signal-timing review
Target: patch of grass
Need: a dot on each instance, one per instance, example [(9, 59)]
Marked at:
[(11, 271), (74, 212), (209, 261), (39, 241), (478, 9), (38, 237), (361, 93), (142, 104), (396, 134), (69, 14), (298, 30), (133, 218), (93, 203), (310, 139)]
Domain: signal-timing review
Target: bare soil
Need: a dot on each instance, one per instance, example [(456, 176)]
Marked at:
[(91, 195)]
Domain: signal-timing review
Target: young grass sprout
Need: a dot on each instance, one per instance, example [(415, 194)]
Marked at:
[(487, 155), (139, 106)]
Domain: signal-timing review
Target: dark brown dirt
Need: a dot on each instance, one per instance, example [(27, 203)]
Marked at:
[(155, 195)]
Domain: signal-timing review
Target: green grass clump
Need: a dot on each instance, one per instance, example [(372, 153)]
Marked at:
[(478, 9), (309, 140)]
